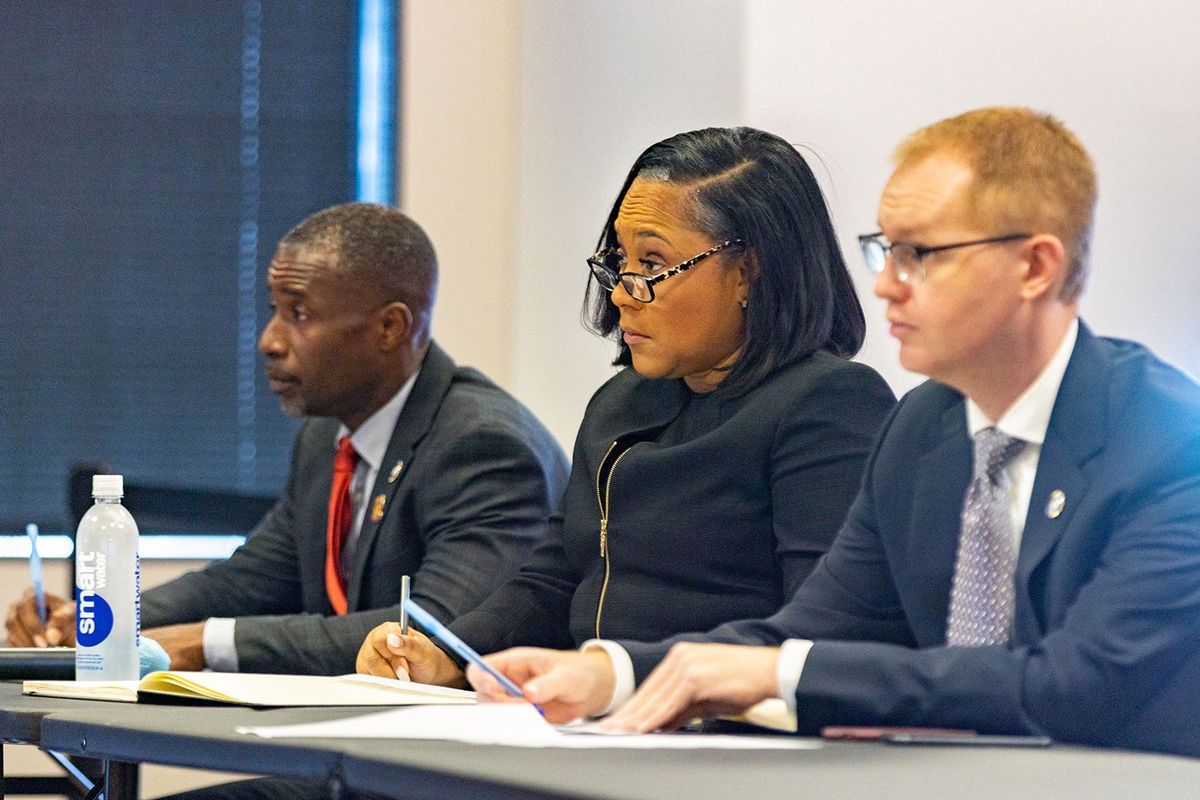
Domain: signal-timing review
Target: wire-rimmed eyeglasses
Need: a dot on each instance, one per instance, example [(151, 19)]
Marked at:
[(908, 260), (608, 267)]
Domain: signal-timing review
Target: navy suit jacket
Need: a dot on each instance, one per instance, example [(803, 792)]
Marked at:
[(1106, 646), (476, 477)]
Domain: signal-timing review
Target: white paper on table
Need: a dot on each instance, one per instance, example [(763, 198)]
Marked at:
[(513, 724)]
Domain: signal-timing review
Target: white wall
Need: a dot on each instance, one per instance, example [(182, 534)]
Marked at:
[(519, 121), (600, 82), (853, 77), (521, 118), (459, 72)]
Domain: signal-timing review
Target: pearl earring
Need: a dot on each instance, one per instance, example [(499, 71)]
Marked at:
[(745, 303)]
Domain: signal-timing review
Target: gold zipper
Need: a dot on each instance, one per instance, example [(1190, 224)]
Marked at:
[(604, 504)]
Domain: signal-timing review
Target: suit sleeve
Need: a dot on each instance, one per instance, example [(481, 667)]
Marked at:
[(849, 595), (1124, 638), (817, 459), (482, 521), (482, 504), (260, 577), (1125, 641), (817, 465), (533, 608)]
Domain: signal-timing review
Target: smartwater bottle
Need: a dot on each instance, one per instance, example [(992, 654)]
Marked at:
[(108, 603)]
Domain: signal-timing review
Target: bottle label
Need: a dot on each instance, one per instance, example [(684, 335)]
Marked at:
[(93, 616)]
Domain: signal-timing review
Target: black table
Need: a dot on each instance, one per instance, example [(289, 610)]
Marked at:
[(123, 735), (440, 770), (21, 723), (21, 716), (204, 737), (200, 736)]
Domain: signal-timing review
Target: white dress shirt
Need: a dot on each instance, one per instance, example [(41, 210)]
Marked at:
[(1027, 419), (370, 442)]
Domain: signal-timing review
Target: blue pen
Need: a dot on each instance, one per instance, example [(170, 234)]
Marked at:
[(438, 631), (35, 569)]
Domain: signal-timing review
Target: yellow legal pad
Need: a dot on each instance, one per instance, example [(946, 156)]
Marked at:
[(252, 689)]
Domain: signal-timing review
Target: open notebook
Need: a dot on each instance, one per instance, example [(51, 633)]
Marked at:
[(251, 689)]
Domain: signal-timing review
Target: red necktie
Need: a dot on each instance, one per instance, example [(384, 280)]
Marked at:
[(341, 512)]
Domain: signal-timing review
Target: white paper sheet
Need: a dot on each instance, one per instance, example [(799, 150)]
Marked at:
[(513, 724)]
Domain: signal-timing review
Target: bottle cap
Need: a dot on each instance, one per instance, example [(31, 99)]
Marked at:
[(108, 486)]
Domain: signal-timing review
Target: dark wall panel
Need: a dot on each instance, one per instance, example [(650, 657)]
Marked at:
[(151, 154)]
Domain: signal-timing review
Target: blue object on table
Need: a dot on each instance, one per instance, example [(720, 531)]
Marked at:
[(151, 657), (439, 631)]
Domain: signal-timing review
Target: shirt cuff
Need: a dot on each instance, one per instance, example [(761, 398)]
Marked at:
[(220, 652), (622, 664), (792, 655)]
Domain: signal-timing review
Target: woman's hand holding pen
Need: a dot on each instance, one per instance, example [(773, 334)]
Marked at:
[(389, 654), (565, 685), (25, 627)]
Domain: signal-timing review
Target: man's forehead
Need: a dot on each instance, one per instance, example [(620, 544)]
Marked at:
[(297, 268), (926, 193)]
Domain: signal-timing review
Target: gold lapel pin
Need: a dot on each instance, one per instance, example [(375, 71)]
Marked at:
[(1055, 505), (395, 473), (377, 507)]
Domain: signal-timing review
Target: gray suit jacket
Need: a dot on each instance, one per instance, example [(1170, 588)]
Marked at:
[(480, 475)]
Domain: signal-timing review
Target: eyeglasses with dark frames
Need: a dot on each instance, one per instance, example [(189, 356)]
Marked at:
[(909, 259), (608, 267)]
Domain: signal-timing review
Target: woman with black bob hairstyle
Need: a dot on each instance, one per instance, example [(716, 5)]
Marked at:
[(753, 186), (709, 475)]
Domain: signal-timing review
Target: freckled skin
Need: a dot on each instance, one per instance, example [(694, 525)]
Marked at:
[(979, 321), (694, 327)]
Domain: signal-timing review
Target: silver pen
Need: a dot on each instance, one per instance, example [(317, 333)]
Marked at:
[(404, 591)]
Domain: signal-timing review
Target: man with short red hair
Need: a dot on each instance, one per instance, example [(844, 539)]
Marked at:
[(1024, 554)]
